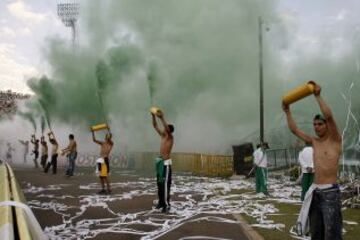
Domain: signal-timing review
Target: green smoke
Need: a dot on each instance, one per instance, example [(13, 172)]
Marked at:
[(29, 117), (205, 76), (46, 112), (46, 96), (42, 121), (153, 76)]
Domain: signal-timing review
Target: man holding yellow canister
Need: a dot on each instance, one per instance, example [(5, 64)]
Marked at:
[(103, 164), (322, 203), (163, 162)]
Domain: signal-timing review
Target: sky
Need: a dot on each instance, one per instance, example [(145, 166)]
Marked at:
[(198, 60), (24, 27)]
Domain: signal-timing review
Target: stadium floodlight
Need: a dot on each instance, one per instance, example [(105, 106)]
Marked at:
[(68, 13)]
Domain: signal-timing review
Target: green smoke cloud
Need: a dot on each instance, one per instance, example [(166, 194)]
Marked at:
[(199, 60)]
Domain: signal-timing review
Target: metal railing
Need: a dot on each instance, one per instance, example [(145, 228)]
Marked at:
[(282, 157)]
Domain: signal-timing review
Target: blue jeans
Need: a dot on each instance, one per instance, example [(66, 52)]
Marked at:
[(325, 214), (71, 166)]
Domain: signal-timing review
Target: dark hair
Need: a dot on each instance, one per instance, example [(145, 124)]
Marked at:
[(258, 145), (171, 127), (319, 117), (71, 136)]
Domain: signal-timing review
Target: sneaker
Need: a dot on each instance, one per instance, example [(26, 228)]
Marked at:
[(102, 191), (158, 206), (164, 210)]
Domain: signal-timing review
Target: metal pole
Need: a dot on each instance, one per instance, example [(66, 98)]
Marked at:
[(261, 83)]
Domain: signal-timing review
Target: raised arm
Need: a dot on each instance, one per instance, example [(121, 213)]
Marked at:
[(52, 136), (292, 125), (94, 139), (164, 123), (326, 111), (156, 127), (110, 138)]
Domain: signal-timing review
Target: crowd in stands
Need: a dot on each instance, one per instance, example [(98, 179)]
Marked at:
[(8, 100)]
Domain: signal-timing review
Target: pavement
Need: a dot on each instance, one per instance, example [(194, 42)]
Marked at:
[(70, 208)]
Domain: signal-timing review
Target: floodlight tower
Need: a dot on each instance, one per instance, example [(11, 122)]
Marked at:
[(68, 11)]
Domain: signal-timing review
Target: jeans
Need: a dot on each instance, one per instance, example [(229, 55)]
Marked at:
[(71, 166), (325, 214)]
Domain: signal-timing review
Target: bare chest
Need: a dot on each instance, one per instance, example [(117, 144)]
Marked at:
[(326, 151)]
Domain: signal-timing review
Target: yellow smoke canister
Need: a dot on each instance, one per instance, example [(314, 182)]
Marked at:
[(299, 93), (99, 127), (157, 111)]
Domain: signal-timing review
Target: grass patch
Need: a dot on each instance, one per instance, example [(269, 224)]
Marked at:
[(352, 231), (288, 214)]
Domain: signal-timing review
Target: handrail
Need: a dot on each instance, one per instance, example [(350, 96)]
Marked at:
[(6, 219), (17, 221), (18, 196)]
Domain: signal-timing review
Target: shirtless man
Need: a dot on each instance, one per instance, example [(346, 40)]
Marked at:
[(35, 142), (325, 209), (103, 165), (163, 162), (54, 153), (26, 149), (44, 152), (71, 154), (9, 151)]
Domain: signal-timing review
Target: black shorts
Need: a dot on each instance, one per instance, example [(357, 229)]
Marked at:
[(36, 153)]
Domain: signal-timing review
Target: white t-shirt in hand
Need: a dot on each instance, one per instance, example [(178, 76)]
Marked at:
[(260, 158)]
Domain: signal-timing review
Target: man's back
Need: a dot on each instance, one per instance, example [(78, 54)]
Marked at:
[(106, 149), (72, 146), (44, 148), (260, 158), (54, 147), (167, 142), (36, 146)]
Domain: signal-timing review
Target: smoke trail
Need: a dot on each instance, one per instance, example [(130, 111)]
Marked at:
[(28, 116), (42, 121), (46, 112), (152, 78), (102, 76)]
